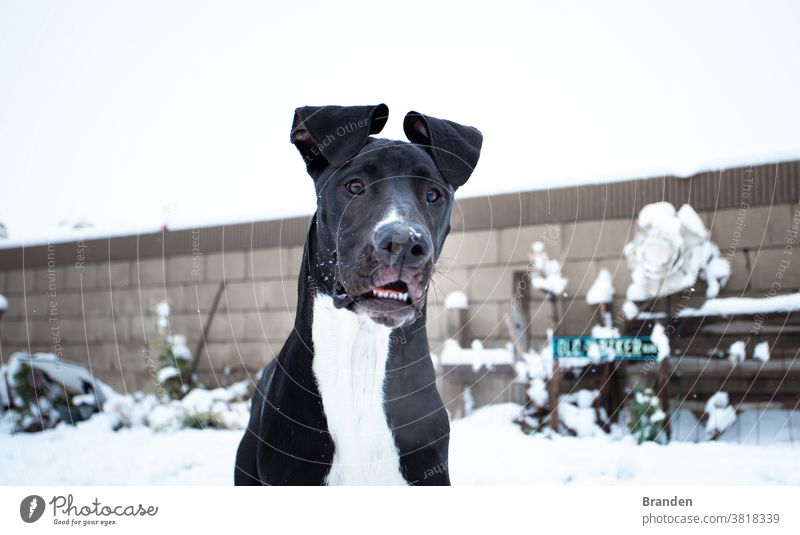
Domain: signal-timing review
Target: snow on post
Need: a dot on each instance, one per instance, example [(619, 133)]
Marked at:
[(456, 301), (630, 309), (661, 340), (669, 251), (736, 353), (602, 290), (761, 351)]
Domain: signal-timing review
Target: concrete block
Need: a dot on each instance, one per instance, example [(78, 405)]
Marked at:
[(228, 266), (515, 242), (477, 248), (596, 239), (270, 263), (115, 274), (754, 227), (148, 271)]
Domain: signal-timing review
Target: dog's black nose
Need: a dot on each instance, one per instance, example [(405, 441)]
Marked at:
[(403, 245)]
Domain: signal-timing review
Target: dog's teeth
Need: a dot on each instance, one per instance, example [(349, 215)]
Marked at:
[(403, 297)]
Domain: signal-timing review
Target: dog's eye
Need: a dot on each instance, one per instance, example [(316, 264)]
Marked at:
[(355, 187), (432, 195)]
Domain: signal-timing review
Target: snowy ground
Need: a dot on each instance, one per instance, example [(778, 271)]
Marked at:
[(486, 449)]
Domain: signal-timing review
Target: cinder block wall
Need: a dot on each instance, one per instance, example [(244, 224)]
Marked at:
[(93, 302)]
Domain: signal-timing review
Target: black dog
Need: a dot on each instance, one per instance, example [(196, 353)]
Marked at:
[(351, 398)]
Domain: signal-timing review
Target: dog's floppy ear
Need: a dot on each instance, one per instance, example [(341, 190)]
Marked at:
[(454, 148), (332, 135)]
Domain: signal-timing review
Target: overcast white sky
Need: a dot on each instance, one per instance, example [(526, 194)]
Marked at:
[(112, 110)]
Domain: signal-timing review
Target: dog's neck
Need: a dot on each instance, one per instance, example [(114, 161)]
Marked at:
[(349, 364)]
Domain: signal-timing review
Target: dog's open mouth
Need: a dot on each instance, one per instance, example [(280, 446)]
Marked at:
[(394, 291)]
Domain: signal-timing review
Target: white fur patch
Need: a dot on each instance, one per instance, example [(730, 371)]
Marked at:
[(350, 352), (391, 216)]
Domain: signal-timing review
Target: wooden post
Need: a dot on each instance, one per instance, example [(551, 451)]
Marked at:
[(201, 344), (457, 327), (663, 369), (555, 381)]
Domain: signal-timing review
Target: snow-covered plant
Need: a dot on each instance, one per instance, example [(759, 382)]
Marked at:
[(647, 420), (174, 356), (534, 370), (720, 415), (669, 251), (577, 413), (38, 401), (602, 290), (546, 272), (220, 408)]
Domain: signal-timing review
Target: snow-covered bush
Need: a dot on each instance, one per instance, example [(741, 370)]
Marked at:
[(647, 420), (174, 356), (43, 391), (534, 370), (546, 272), (602, 289), (220, 408), (577, 413), (720, 415), (669, 251)]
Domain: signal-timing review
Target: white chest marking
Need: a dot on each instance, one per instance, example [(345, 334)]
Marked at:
[(350, 353)]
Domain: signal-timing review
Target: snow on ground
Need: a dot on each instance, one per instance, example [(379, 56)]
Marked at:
[(485, 449)]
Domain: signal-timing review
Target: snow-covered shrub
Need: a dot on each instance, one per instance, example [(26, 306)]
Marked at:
[(602, 289), (720, 415), (174, 356), (669, 251), (43, 392), (534, 370), (220, 408), (577, 413), (647, 420), (546, 272)]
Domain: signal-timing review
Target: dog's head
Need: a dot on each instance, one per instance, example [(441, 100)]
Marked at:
[(383, 206)]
